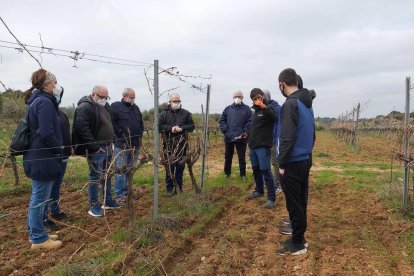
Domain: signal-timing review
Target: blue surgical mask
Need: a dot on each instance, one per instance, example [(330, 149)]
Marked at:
[(58, 99)]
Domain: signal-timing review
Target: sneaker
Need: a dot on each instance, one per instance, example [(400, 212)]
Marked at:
[(291, 248), (49, 244), (60, 216), (96, 211), (254, 195), (286, 230), (122, 199), (110, 205), (227, 176), (278, 190), (170, 194), (51, 237), (243, 178), (50, 225), (286, 221), (269, 204), (305, 243)]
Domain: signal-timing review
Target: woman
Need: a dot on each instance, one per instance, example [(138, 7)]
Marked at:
[(43, 159)]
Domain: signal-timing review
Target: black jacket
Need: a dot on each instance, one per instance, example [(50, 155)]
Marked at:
[(65, 128), (127, 120), (261, 127), (235, 120), (169, 118), (85, 126)]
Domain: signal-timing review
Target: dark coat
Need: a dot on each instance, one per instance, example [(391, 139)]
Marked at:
[(235, 120), (261, 127), (277, 108), (42, 161), (127, 120), (175, 142), (86, 125), (65, 128)]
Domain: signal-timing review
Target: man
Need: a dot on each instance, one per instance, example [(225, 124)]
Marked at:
[(175, 123), (260, 143), (128, 127), (275, 164), (234, 124), (93, 134), (295, 146)]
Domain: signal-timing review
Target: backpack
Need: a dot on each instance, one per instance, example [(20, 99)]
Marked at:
[(21, 138)]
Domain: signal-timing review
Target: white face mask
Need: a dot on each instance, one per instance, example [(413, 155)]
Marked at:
[(237, 100), (57, 90), (101, 102), (175, 106)]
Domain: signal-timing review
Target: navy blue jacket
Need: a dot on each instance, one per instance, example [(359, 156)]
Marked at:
[(297, 128), (127, 119), (277, 108), (261, 128), (42, 161), (235, 120)]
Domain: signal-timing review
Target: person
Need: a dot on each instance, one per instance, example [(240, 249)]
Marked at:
[(129, 128), (53, 207), (42, 161), (275, 164), (234, 124), (174, 123), (260, 139), (296, 141), (92, 135)]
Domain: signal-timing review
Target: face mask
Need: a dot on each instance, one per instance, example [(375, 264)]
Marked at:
[(175, 106), (281, 88), (58, 99), (101, 102), (57, 90), (128, 100), (237, 100)]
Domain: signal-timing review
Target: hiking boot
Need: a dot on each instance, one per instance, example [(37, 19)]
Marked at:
[(60, 216), (291, 248), (269, 204), (286, 230), (51, 237), (278, 190), (50, 226), (286, 221), (110, 205), (49, 244), (96, 211), (254, 195)]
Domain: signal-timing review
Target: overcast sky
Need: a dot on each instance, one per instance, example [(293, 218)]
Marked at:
[(349, 51)]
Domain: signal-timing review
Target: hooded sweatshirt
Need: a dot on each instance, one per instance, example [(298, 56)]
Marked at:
[(296, 128)]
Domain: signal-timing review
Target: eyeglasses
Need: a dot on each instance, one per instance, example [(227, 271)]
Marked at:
[(177, 101), (102, 97)]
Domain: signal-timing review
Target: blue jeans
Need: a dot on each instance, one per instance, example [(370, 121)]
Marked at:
[(53, 205), (38, 201), (177, 171), (97, 168), (125, 158), (260, 159)]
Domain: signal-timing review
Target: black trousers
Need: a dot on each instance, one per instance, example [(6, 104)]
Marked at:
[(295, 185), (228, 156)]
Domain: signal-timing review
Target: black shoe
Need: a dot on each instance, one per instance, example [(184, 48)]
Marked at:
[(170, 194), (305, 243), (60, 216), (286, 230), (292, 248), (50, 225)]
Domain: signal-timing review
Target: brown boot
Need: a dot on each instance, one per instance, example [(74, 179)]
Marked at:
[(49, 244), (51, 236)]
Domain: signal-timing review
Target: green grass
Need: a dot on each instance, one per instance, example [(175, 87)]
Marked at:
[(325, 177)]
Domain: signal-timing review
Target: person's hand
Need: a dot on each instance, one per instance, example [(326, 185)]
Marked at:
[(178, 129), (260, 104), (281, 172), (243, 135)]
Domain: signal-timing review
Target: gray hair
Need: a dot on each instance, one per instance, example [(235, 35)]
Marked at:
[(96, 88), (126, 91), (49, 78), (175, 94), (237, 93), (267, 94)]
